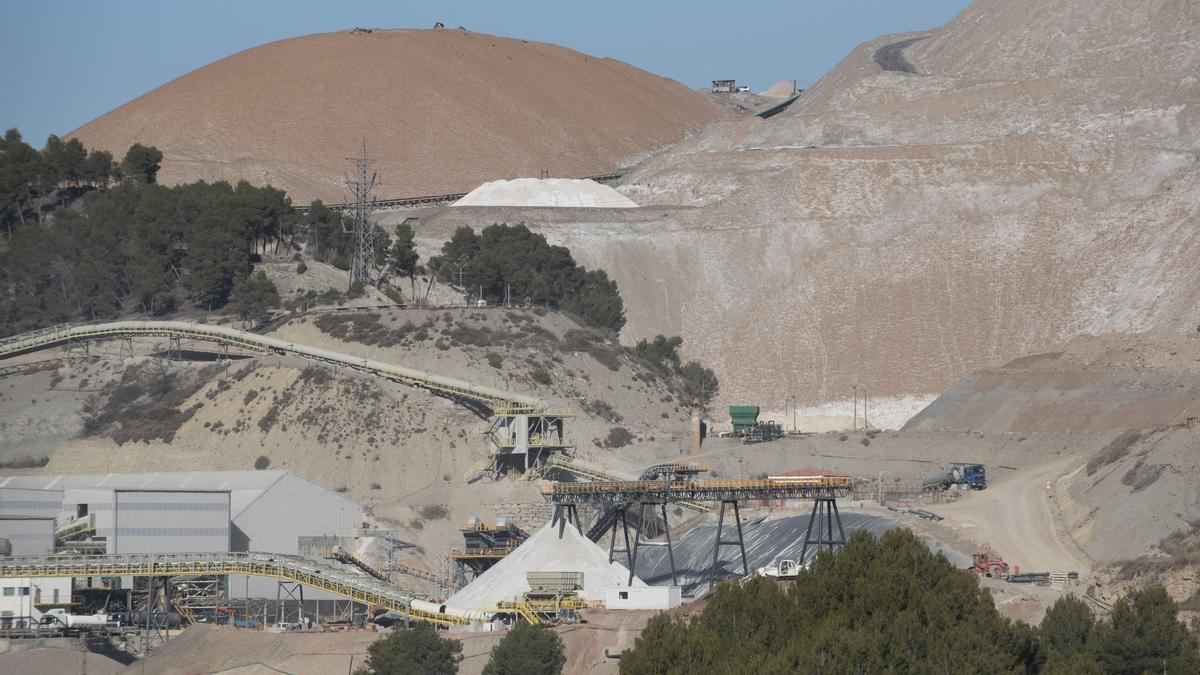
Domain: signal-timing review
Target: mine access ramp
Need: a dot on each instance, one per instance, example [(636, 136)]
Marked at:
[(823, 489)]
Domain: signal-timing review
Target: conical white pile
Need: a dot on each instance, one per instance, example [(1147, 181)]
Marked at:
[(545, 552), (554, 192)]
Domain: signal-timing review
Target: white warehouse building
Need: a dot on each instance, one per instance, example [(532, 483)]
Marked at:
[(184, 512)]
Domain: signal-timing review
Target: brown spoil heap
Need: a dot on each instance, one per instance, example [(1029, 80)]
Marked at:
[(442, 111)]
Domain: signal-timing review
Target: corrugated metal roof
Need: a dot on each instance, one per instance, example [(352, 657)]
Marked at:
[(166, 480), (245, 487)]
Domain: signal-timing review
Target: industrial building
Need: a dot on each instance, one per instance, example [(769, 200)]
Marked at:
[(184, 512)]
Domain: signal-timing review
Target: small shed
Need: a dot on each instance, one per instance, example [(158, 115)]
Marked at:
[(642, 597), (723, 86)]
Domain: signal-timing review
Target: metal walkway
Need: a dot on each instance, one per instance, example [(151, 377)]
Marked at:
[(230, 337), (357, 587), (657, 491)]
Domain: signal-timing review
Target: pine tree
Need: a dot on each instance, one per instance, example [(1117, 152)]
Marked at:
[(413, 652), (527, 650)]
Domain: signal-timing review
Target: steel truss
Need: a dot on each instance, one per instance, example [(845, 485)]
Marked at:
[(294, 569)]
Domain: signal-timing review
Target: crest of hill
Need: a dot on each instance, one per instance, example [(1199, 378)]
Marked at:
[(442, 110)]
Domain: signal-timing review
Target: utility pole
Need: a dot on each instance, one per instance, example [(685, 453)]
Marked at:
[(362, 258), (460, 263), (854, 425)]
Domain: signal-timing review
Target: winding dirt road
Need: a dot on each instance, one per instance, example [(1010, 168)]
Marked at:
[(1013, 517)]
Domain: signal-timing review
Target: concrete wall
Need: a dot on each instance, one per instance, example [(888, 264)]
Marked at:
[(26, 502), (292, 508), (28, 536), (19, 598), (170, 522), (642, 597)]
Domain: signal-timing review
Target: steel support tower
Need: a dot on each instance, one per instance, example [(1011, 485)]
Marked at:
[(362, 257), (619, 495), (824, 516)]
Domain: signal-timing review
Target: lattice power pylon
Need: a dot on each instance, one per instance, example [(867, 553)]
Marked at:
[(362, 260)]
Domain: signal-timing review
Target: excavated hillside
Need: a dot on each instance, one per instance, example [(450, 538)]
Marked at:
[(938, 203), (1100, 384), (402, 452), (442, 111), (1113, 419)]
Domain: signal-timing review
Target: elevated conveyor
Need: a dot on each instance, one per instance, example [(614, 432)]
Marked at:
[(66, 334), (357, 587), (619, 496), (659, 492)]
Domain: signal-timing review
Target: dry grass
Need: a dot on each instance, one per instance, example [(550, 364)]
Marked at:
[(146, 404), (1181, 550), (1116, 449)]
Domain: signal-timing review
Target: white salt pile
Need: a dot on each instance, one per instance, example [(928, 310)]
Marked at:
[(545, 552), (553, 192)]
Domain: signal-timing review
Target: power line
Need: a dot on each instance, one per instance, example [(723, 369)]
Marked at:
[(362, 259)]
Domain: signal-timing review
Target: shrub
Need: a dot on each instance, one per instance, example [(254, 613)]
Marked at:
[(541, 376), (662, 353), (1114, 451), (1142, 475), (434, 512), (602, 409), (495, 360), (26, 462), (618, 437), (301, 268), (262, 462), (595, 344)]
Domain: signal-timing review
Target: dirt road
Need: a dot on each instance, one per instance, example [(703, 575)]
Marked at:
[(1013, 517)]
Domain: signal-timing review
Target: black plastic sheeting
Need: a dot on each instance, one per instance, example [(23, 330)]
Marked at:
[(766, 542)]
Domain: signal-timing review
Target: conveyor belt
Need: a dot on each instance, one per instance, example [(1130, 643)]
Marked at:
[(222, 335), (357, 587)]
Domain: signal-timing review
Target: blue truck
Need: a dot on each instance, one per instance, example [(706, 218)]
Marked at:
[(971, 476)]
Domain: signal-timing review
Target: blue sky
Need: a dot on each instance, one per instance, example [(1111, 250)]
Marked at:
[(67, 62)]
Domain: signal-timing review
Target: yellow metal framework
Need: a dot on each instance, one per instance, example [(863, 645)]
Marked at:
[(483, 553), (288, 568), (533, 611)]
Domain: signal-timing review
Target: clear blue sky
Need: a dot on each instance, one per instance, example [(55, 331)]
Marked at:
[(67, 62)]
